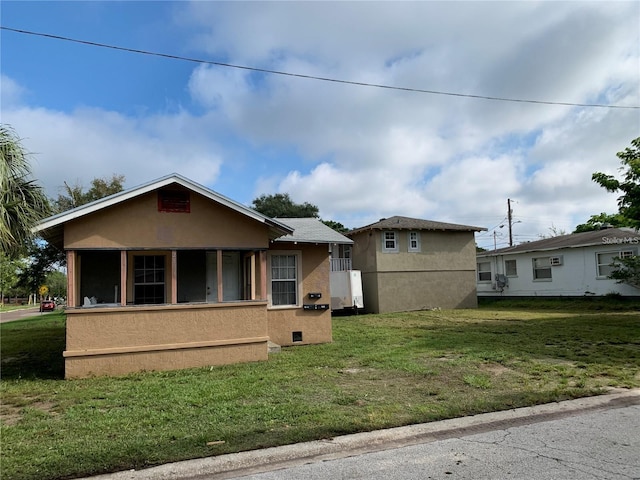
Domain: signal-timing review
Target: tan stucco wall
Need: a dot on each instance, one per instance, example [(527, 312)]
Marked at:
[(404, 291), (370, 292), (364, 251), (315, 325), (115, 341), (441, 275), (137, 223)]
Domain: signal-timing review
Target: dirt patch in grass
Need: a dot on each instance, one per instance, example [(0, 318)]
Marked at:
[(496, 369), (11, 414)]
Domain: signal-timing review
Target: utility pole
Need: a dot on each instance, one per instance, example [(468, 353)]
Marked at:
[(509, 212)]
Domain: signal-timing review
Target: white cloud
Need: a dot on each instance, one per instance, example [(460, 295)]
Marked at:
[(91, 143), (11, 93)]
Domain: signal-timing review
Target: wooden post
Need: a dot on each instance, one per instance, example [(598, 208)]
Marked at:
[(263, 275), (220, 290), (123, 277), (71, 278), (174, 277)]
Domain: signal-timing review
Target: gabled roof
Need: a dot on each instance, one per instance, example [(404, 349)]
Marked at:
[(606, 237), (406, 223), (311, 230), (51, 228)]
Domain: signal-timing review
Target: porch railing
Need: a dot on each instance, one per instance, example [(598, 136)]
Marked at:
[(340, 264)]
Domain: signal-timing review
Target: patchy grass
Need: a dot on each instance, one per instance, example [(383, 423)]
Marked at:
[(381, 371)]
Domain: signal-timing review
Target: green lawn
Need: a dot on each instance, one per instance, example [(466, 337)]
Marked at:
[(380, 371)]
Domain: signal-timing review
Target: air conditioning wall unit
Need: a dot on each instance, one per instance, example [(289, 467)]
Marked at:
[(555, 261)]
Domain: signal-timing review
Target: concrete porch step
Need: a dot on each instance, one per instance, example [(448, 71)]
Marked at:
[(273, 347)]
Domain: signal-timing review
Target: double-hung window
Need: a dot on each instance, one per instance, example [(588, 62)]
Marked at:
[(542, 268), (414, 241), (148, 279), (390, 242), (510, 268), (604, 261), (484, 271), (284, 279)]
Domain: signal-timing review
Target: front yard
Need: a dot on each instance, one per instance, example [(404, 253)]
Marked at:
[(380, 371)]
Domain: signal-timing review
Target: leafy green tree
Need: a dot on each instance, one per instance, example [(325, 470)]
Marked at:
[(627, 270), (22, 201), (57, 283), (42, 258), (337, 226), (629, 185), (280, 205), (75, 196), (9, 274), (597, 222)]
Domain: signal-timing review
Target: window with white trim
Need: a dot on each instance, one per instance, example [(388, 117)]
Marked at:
[(389, 242), (542, 268), (148, 279), (284, 282), (510, 268), (604, 261), (484, 271), (414, 241)]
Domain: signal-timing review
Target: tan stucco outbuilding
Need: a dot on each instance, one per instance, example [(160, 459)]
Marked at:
[(413, 264), (172, 275)]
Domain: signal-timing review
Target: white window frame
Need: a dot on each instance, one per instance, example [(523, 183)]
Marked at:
[(411, 240), (614, 254), (481, 271), (515, 268), (394, 248), (298, 280), (149, 276), (544, 267)]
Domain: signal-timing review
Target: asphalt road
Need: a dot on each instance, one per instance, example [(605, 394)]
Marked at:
[(590, 438), (19, 314)]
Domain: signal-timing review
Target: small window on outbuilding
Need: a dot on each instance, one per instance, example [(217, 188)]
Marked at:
[(296, 336), (174, 201), (414, 242), (389, 242)]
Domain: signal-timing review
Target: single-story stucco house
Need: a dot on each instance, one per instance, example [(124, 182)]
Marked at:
[(172, 275), (578, 264), (413, 264)]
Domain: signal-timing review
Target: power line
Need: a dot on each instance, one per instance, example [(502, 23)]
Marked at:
[(309, 77)]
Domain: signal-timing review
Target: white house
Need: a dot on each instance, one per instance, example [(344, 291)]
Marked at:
[(569, 265)]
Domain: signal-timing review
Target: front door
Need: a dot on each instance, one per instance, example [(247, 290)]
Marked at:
[(231, 276)]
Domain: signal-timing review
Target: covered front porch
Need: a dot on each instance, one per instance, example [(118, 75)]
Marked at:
[(111, 278), (134, 310)]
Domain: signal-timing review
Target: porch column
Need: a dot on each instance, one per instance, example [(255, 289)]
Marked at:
[(220, 292), (123, 277), (252, 269), (263, 275), (174, 277), (71, 278)]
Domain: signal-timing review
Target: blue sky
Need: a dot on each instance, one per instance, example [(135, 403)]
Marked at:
[(359, 153)]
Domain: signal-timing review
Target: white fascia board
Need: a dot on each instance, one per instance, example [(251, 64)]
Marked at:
[(149, 187)]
